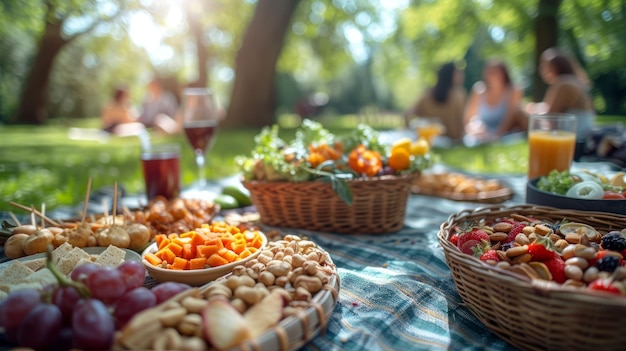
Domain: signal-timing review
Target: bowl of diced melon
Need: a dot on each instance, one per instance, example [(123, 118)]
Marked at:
[(202, 255)]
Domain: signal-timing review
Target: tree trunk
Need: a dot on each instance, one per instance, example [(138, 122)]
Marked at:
[(32, 108), (253, 97), (546, 36), (202, 53)]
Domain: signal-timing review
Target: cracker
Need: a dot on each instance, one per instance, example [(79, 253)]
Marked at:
[(36, 264), (14, 273), (68, 262), (113, 256), (61, 251), (43, 276)]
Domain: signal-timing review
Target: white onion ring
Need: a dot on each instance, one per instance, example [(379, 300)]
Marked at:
[(586, 176), (588, 189)]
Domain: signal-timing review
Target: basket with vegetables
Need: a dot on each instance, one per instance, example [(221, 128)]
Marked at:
[(319, 181)]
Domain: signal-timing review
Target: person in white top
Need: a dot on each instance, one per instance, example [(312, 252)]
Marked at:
[(159, 109)]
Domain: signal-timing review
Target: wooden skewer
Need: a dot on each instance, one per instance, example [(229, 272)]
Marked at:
[(32, 216), (32, 210), (106, 211), (43, 213), (17, 221), (114, 201), (86, 200)]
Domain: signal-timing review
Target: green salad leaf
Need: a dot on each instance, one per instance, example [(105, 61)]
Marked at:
[(556, 182)]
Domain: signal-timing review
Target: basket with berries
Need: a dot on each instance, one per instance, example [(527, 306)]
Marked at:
[(539, 277), (352, 183)]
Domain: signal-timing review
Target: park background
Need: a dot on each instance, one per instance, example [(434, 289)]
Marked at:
[(339, 61)]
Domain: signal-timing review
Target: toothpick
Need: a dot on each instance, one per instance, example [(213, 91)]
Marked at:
[(32, 217), (43, 213), (17, 221), (33, 210), (86, 200), (114, 201), (106, 211)]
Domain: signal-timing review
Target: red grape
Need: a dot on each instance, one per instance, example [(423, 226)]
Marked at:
[(14, 308), (132, 303), (66, 298), (40, 328), (64, 340), (92, 325), (106, 284), (168, 289), (81, 272), (134, 274)]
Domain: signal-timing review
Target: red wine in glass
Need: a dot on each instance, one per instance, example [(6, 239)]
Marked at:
[(201, 134)]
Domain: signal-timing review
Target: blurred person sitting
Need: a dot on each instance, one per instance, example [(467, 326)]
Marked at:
[(493, 109), (444, 101), (568, 91), (159, 108), (118, 117)]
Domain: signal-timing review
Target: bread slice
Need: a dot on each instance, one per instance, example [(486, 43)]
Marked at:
[(14, 273), (113, 256), (36, 264), (68, 261), (61, 251), (43, 276)]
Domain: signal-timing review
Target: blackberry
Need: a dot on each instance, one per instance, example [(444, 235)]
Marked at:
[(614, 241), (607, 263)]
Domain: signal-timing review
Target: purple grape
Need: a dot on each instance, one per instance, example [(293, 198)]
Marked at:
[(66, 298), (166, 290), (134, 274), (41, 327), (92, 325), (14, 308), (80, 273), (106, 284), (132, 303)]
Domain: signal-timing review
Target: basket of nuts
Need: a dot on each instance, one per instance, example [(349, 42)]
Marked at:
[(539, 277), (279, 300)]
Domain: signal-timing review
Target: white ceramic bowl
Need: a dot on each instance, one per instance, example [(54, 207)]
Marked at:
[(197, 276)]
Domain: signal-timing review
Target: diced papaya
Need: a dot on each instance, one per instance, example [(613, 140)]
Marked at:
[(180, 263), (215, 241), (245, 253), (187, 234), (239, 237), (175, 248), (257, 242), (229, 255), (166, 255), (206, 250), (163, 243), (238, 246), (250, 235), (197, 239), (159, 238), (153, 259), (216, 260), (172, 236), (189, 251), (181, 241), (197, 263)]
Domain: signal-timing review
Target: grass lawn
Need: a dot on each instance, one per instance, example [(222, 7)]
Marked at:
[(41, 164)]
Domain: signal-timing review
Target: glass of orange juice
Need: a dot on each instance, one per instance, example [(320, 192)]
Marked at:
[(551, 141), (429, 128)]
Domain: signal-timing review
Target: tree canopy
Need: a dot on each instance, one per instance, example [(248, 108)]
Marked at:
[(358, 54)]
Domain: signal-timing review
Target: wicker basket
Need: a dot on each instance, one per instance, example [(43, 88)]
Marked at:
[(379, 204), (536, 314)]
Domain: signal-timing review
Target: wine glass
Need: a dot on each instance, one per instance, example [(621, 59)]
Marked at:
[(429, 128), (200, 125)]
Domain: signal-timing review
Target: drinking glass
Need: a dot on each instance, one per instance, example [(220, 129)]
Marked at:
[(200, 125), (551, 142), (161, 170), (429, 128)]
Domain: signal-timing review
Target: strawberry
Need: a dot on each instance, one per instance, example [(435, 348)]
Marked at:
[(518, 227), (471, 233), (484, 252), (489, 255), (454, 239), (556, 266), (542, 249), (605, 285), (468, 246)]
